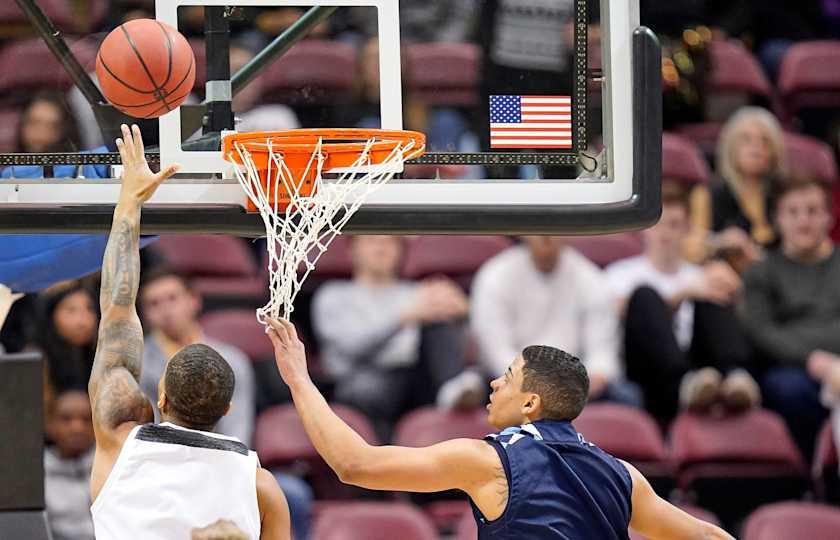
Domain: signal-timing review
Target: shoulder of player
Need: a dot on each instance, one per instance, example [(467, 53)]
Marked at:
[(268, 490)]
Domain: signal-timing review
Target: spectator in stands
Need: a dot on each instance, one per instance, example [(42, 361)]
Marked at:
[(250, 114), (170, 309), (792, 306), (731, 219), (47, 125), (67, 466), (543, 291), (679, 321), (423, 22), (391, 344), (68, 325)]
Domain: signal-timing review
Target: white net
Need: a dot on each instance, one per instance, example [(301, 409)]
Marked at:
[(300, 233)]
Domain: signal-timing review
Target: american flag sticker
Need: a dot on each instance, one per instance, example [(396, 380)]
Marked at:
[(530, 122)]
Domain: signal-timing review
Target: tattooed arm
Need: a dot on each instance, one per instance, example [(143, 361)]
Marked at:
[(116, 399)]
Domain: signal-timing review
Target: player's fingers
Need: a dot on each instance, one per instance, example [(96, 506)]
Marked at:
[(272, 336), (279, 329), (290, 329), (140, 152), (128, 140), (121, 149), (166, 173)]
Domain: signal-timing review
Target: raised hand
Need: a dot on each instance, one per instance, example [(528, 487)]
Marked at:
[(289, 352), (138, 181)]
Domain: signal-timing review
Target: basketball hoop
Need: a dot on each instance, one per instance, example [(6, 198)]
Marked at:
[(282, 173)]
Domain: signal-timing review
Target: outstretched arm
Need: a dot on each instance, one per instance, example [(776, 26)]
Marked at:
[(469, 465), (658, 519), (116, 398)]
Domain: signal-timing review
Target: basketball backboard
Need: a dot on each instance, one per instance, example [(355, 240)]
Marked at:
[(543, 116)]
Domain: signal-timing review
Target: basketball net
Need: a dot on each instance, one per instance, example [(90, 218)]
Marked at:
[(299, 231)]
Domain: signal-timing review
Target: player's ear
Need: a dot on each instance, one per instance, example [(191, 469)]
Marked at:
[(227, 410), (532, 405), (161, 399)]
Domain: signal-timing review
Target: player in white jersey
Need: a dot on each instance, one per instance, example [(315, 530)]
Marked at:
[(160, 481)]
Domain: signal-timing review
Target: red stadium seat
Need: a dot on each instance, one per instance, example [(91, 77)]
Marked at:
[(736, 462), (810, 157), (444, 74), (312, 72), (28, 66), (279, 437), (458, 257), (428, 425), (335, 263), (13, 21), (735, 70), (240, 328), (9, 120), (704, 135), (373, 521), (682, 160), (629, 434), (783, 521), (221, 268), (824, 466), (809, 76), (605, 249)]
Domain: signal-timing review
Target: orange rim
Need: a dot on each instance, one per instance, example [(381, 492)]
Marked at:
[(340, 147)]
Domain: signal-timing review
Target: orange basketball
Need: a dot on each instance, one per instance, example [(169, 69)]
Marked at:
[(145, 68)]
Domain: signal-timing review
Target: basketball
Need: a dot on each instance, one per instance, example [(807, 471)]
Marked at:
[(145, 68)]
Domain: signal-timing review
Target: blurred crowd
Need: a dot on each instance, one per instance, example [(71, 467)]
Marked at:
[(729, 304)]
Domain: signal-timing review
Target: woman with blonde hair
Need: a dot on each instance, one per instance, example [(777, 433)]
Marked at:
[(730, 218)]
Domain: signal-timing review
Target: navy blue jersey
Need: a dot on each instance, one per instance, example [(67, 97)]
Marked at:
[(559, 487)]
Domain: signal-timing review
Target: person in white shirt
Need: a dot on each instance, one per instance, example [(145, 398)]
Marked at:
[(161, 481), (543, 291), (679, 322)]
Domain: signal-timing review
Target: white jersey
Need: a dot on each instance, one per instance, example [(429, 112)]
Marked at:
[(169, 480)]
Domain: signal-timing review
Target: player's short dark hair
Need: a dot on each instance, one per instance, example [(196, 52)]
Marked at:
[(199, 386), (558, 378)]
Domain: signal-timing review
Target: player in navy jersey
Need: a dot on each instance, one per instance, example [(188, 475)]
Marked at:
[(536, 479)]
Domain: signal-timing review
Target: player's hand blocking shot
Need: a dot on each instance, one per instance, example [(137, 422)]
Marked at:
[(161, 481), (537, 478)]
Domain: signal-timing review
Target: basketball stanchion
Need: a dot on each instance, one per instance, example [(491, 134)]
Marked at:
[(283, 174)]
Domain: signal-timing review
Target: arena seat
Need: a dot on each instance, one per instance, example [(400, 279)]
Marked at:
[(9, 119), (429, 425), (13, 22), (629, 434), (809, 77), (824, 466), (221, 268), (444, 74), (738, 462), (607, 248), (810, 157), (682, 160), (703, 134), (335, 263), (312, 72), (457, 257), (373, 521), (28, 66), (240, 328), (735, 69), (786, 520)]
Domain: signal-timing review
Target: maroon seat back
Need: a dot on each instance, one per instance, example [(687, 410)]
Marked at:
[(736, 70), (786, 520), (428, 425), (279, 437), (810, 157), (443, 74), (458, 257), (208, 255), (239, 327), (28, 66), (682, 160), (9, 121), (373, 521), (758, 437), (313, 71), (809, 76), (825, 458), (606, 249), (625, 432)]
